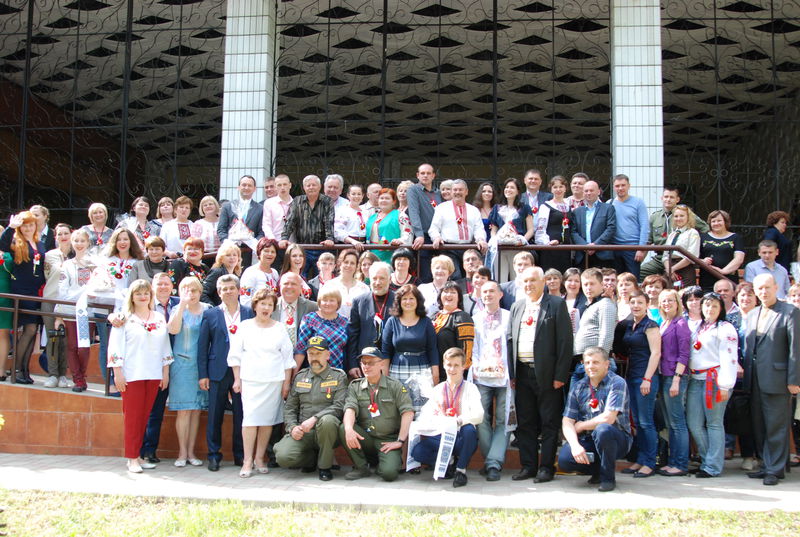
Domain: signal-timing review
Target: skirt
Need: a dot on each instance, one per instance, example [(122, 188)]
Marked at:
[(415, 376), (262, 403)]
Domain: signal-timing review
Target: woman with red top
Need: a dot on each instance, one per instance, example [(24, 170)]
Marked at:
[(27, 278)]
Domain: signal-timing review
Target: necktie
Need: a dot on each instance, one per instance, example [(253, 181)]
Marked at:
[(293, 326)]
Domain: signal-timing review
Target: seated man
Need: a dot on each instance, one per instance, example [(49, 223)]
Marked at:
[(377, 415), (459, 399), (596, 424), (313, 413)]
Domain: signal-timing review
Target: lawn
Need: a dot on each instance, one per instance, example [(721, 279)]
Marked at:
[(43, 514)]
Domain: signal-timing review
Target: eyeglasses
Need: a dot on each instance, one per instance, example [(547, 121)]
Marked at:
[(370, 364)]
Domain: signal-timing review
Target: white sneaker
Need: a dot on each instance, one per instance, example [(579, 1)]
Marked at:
[(748, 464), (51, 382), (63, 382)]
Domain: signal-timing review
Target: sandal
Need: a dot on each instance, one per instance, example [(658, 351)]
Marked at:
[(195, 462), (180, 463)]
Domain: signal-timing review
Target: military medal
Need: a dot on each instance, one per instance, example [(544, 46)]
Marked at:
[(328, 393)]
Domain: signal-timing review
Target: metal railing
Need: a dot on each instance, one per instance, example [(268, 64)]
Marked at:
[(16, 310)]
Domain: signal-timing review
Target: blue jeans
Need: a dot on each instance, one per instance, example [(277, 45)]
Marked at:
[(102, 333), (466, 444), (626, 262), (493, 441), (607, 442), (643, 408), (675, 414), (310, 268), (706, 426)]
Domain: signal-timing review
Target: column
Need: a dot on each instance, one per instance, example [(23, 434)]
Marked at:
[(249, 108), (637, 140)]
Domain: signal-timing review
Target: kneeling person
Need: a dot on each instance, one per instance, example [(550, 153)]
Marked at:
[(313, 413), (455, 398), (377, 415), (596, 425)]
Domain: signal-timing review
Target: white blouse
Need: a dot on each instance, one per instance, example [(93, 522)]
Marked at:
[(254, 279), (73, 278), (718, 347), (203, 229), (140, 347), (175, 234), (263, 354), (348, 295), (349, 223)]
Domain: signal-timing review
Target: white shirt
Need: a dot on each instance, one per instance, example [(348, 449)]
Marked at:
[(348, 295), (445, 224), (254, 279), (349, 222), (470, 409), (527, 330), (274, 217), (719, 347), (141, 353), (368, 209), (263, 354), (175, 234)]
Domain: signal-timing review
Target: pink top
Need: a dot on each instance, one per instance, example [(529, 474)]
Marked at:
[(275, 213), (207, 231)]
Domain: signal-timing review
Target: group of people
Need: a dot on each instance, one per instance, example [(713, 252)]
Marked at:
[(389, 358)]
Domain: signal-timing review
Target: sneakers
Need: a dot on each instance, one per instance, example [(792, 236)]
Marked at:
[(63, 382), (357, 473), (51, 382), (748, 464)]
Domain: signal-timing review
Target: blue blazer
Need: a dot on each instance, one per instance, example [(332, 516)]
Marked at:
[(604, 226), (214, 343)]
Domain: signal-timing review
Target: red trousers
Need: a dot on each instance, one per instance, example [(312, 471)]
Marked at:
[(77, 357), (137, 401)]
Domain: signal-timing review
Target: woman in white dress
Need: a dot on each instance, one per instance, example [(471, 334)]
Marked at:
[(262, 361), (176, 231), (260, 275), (346, 282)]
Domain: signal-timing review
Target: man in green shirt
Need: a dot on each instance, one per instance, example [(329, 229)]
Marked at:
[(377, 415), (313, 413)]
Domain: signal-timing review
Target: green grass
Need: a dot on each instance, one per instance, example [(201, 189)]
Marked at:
[(44, 514)]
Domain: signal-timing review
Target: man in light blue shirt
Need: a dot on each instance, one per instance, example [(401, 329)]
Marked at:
[(768, 252), (633, 226)]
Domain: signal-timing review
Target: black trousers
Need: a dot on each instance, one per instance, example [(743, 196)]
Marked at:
[(538, 414), (218, 394), (771, 414)]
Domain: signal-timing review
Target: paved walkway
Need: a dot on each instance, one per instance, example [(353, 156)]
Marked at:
[(105, 475)]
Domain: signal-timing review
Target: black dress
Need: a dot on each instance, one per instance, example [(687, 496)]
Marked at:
[(27, 277), (180, 269), (552, 259)]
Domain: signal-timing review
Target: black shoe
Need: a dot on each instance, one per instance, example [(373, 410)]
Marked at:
[(414, 471), (522, 475), (325, 475), (703, 474), (308, 469), (79, 389), (761, 474), (238, 462), (543, 475), (20, 379), (770, 480), (642, 474), (607, 486), (460, 479), (493, 474), (594, 480), (213, 465), (630, 471), (151, 458), (450, 472)]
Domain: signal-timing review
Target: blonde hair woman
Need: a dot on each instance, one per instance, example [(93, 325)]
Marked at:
[(442, 268), (99, 232), (206, 227), (228, 261)]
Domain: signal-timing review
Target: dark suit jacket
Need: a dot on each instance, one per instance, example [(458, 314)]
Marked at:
[(542, 196), (253, 220), (303, 306), (214, 343), (48, 239), (361, 327), (552, 349), (509, 295), (776, 356), (604, 226)]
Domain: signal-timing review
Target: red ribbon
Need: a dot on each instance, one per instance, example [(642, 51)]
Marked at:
[(711, 380)]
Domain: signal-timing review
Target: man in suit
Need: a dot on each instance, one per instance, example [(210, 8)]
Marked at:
[(212, 363), (246, 210), (291, 306), (368, 314), (533, 195), (595, 223), (422, 200), (539, 360), (772, 374)]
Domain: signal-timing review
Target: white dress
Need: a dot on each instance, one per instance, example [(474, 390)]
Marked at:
[(263, 356), (254, 279)]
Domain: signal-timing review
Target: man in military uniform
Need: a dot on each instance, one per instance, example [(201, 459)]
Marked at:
[(313, 413), (377, 415)]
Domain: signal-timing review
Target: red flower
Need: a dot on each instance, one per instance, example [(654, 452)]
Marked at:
[(118, 276), (664, 234), (535, 210), (99, 241), (565, 222), (363, 226), (373, 407), (290, 321), (146, 234), (450, 412), (594, 402), (529, 320), (233, 328), (2, 261), (697, 345), (459, 220), (150, 327), (433, 203)]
